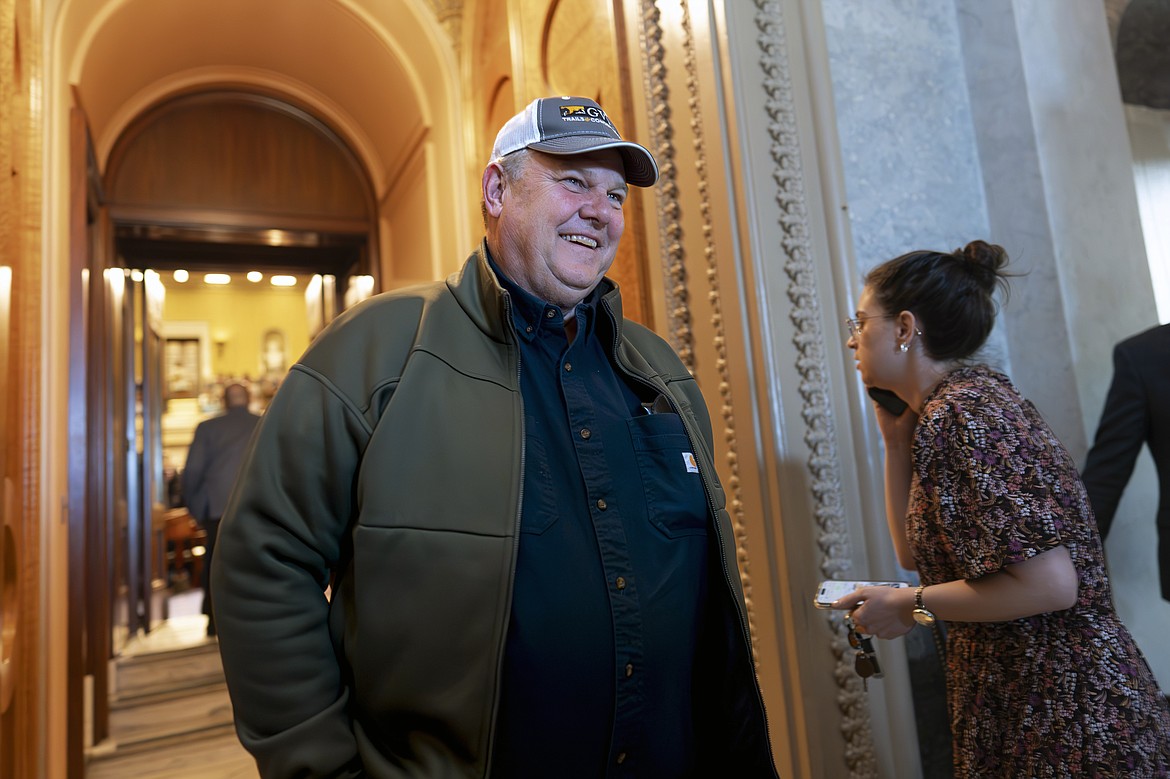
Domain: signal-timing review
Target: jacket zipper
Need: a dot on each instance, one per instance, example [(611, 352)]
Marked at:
[(515, 547)]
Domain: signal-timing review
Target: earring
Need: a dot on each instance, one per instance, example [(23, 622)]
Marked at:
[(903, 347)]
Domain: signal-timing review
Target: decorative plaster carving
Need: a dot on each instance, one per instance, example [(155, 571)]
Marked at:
[(450, 16), (809, 339)]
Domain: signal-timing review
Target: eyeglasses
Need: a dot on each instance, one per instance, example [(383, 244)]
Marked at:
[(865, 662), (855, 325)]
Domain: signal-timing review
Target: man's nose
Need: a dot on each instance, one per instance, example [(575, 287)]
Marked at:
[(597, 207)]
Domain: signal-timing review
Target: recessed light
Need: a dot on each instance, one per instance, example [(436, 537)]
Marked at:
[(284, 281), (216, 278), (254, 276), (181, 276)]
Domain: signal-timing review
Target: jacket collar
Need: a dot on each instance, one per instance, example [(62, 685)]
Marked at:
[(480, 295)]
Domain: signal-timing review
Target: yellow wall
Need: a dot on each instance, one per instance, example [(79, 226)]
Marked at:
[(237, 316)]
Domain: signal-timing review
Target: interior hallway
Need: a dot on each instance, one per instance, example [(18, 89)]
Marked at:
[(802, 141)]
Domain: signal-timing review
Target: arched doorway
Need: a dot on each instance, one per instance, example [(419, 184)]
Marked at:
[(363, 97)]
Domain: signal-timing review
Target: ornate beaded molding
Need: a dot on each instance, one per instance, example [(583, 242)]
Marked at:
[(673, 260), (680, 333), (809, 339), (726, 407)]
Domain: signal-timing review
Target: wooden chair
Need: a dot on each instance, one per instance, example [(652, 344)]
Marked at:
[(186, 544)]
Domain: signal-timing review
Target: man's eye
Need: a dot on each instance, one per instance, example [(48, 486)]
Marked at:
[(617, 197)]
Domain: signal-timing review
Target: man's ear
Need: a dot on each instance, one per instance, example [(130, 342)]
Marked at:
[(494, 185)]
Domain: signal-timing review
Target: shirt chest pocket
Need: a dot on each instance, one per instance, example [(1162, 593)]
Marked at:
[(675, 501)]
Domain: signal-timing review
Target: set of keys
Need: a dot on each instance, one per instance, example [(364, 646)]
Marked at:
[(865, 662)]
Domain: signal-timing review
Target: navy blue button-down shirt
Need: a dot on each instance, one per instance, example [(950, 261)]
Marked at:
[(611, 576)]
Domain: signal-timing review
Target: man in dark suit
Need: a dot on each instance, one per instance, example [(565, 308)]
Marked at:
[(1137, 410), (213, 463)]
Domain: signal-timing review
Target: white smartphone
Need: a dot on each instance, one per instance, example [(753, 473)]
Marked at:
[(831, 589)]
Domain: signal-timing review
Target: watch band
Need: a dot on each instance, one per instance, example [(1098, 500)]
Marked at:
[(921, 614)]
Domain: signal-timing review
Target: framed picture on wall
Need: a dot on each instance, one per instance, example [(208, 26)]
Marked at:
[(181, 367)]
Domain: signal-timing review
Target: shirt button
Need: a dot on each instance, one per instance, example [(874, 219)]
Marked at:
[(629, 670), (585, 432), (529, 329), (549, 314), (602, 505), (621, 758), (621, 582), (569, 367)]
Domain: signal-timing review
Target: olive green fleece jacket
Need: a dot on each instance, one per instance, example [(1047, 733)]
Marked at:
[(390, 465)]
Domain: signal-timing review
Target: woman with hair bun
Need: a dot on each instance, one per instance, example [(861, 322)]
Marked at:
[(985, 503)]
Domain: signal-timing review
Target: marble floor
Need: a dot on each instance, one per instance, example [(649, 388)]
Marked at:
[(195, 739), (185, 628), (218, 758)]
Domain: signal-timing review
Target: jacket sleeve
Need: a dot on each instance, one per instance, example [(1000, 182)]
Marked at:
[(281, 537), (1120, 434)]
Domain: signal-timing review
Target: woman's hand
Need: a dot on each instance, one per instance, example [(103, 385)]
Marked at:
[(885, 612), (897, 431)]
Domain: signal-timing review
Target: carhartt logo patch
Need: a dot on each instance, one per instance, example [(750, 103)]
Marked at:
[(689, 460)]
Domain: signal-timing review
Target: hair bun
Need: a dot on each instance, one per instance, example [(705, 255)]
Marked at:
[(986, 255), (985, 261)]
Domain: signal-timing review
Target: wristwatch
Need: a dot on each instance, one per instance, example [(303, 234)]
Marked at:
[(922, 615)]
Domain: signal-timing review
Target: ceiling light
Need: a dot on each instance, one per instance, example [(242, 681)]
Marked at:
[(181, 276), (254, 276), (136, 275), (284, 281), (216, 278)]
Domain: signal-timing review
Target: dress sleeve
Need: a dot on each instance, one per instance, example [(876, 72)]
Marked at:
[(995, 503)]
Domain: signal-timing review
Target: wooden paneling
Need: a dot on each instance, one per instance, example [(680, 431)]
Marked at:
[(236, 152), (20, 355)]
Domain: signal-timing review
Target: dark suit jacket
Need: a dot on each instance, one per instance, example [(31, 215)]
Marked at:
[(213, 462), (1137, 410)]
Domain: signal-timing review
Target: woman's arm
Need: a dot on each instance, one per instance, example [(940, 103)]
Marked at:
[(1041, 584), (898, 436), (897, 500)]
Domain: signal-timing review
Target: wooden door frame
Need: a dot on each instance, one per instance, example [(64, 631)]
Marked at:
[(88, 625)]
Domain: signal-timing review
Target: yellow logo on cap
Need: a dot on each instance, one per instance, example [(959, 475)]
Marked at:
[(584, 113)]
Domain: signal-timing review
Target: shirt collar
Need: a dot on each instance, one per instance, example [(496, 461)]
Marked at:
[(529, 312)]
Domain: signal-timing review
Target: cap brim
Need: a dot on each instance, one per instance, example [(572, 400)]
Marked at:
[(641, 169)]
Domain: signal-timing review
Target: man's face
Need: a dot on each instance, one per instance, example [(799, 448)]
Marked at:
[(558, 224)]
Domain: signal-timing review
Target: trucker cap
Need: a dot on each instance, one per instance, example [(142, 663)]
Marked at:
[(572, 125)]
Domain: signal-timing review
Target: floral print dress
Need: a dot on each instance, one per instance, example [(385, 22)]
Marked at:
[(1062, 694)]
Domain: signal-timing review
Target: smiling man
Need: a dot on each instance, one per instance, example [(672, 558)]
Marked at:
[(510, 489)]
